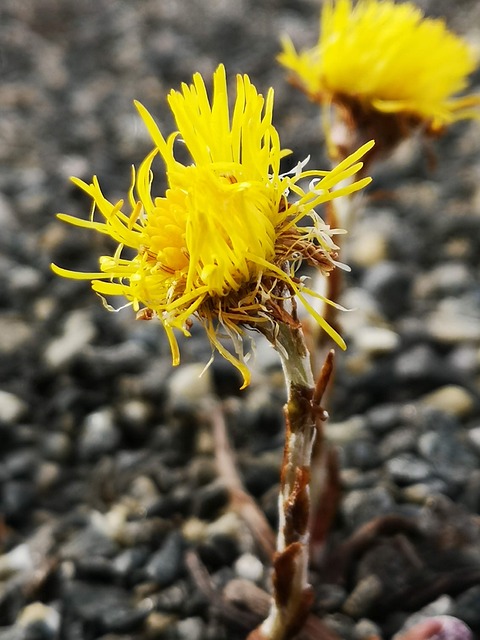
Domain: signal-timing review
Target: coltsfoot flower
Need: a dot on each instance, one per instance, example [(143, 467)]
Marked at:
[(224, 242), (379, 58)]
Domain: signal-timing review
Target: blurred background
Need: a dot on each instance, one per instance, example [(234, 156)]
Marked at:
[(107, 475)]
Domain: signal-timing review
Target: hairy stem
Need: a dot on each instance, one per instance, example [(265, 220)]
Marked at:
[(292, 594)]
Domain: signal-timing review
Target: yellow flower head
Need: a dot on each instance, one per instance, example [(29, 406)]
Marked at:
[(388, 58), (223, 243)]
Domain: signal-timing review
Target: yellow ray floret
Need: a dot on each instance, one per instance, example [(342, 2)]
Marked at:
[(389, 57), (223, 242)]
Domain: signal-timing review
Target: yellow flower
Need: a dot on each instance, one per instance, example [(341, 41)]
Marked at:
[(223, 243), (388, 58)]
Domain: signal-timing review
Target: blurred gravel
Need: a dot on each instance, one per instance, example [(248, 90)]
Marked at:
[(107, 478)]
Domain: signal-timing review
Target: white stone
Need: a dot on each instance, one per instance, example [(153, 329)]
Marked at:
[(376, 340), (346, 431), (12, 408), (249, 567), (78, 332), (37, 612), (17, 559), (369, 247), (190, 383)]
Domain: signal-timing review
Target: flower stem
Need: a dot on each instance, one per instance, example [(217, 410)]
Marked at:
[(292, 594)]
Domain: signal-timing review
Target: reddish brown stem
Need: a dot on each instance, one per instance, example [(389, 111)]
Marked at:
[(292, 594)]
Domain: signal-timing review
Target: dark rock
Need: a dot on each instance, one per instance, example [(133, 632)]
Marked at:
[(384, 417), (467, 608), (21, 465), (17, 499), (329, 597), (361, 454), (166, 565), (390, 285), (87, 542), (362, 505), (208, 500), (450, 458), (96, 568), (260, 475), (178, 502), (102, 609), (218, 551), (129, 563)]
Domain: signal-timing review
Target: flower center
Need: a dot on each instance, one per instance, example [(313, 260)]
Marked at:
[(205, 229)]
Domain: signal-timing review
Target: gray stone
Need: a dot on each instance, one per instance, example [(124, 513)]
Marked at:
[(418, 364), (363, 596), (361, 453), (452, 326), (408, 468), (166, 564), (56, 446), (190, 629), (367, 630), (400, 440), (473, 437), (384, 417), (389, 284), (99, 435), (443, 280), (450, 458), (362, 505), (78, 332)]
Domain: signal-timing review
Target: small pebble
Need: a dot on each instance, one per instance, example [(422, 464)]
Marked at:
[(362, 505), (442, 606), (12, 408), (420, 493), (16, 560), (367, 630), (249, 567), (451, 399), (450, 457), (78, 332), (376, 340), (467, 607), (369, 247), (99, 435), (451, 326), (190, 629), (389, 283), (408, 468), (44, 618), (189, 384), (347, 431), (166, 565), (473, 437)]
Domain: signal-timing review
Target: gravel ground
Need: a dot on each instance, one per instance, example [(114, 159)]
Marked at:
[(116, 524)]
